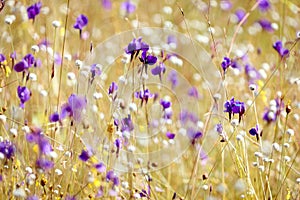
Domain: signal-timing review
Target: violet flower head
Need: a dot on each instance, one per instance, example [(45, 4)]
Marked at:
[(266, 25), (165, 104), (107, 4), (111, 176), (281, 50), (74, 107), (136, 45), (37, 137), (127, 124), (44, 164), (112, 88), (264, 5), (234, 107), (34, 10), (2, 58), (29, 58), (85, 155), (194, 135), (240, 14), (148, 59), (225, 4), (144, 95), (219, 128), (33, 197), (128, 7), (172, 77), (251, 73), (54, 117), (100, 167), (193, 92), (225, 63), (81, 22), (170, 135), (255, 132), (274, 110), (7, 148), (159, 70), (21, 66), (23, 94)]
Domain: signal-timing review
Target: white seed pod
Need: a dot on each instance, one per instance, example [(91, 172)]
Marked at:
[(14, 132), (35, 48), (3, 118), (9, 19), (276, 146), (261, 168), (56, 23), (258, 154), (239, 137), (298, 180), (252, 87), (287, 158), (290, 132)]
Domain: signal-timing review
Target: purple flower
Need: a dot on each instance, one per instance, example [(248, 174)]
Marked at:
[(170, 135), (29, 58), (23, 94), (240, 14), (2, 58), (74, 107), (33, 197), (100, 167), (95, 70), (34, 10), (69, 197), (225, 63), (165, 104), (21, 66), (194, 135), (37, 137), (172, 77), (219, 128), (54, 117), (251, 73), (44, 164), (171, 39), (111, 176), (225, 4), (254, 131), (264, 5), (85, 155), (186, 116), (81, 22), (126, 124), (266, 25), (106, 4), (148, 59), (7, 148), (279, 48), (193, 92), (135, 46), (112, 88), (234, 107), (144, 95), (128, 7), (271, 114), (159, 70)]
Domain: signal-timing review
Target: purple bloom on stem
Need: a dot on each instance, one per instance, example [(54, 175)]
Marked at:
[(23, 94), (34, 10), (54, 117), (194, 135), (264, 5), (33, 197), (240, 14), (148, 59), (172, 77), (106, 4), (136, 45), (74, 107), (251, 73), (112, 88), (100, 167), (234, 107), (7, 148), (85, 155), (21, 66), (225, 4), (172, 39), (170, 135), (44, 164), (219, 128), (128, 7), (225, 63), (193, 92), (165, 104), (144, 95), (95, 70), (13, 55), (2, 58), (69, 197), (266, 25), (279, 48), (159, 70), (81, 22), (29, 58), (37, 137), (126, 124)]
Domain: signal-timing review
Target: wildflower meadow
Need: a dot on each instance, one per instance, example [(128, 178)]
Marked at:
[(149, 99)]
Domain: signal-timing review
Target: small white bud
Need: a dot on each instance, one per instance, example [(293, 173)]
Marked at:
[(234, 122), (35, 48), (290, 132), (9, 19), (298, 180), (205, 187), (56, 23), (276, 146), (78, 63), (252, 87), (287, 158), (258, 154), (261, 168), (14, 132), (239, 137), (3, 118)]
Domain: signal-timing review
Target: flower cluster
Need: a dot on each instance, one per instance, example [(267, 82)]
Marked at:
[(234, 107)]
